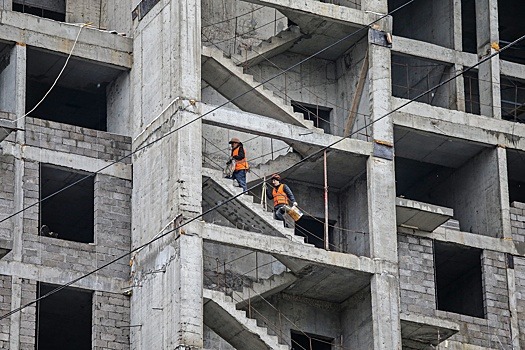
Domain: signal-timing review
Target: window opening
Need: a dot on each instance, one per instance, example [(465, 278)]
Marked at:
[(313, 230), (320, 115), (55, 10), (68, 215), (64, 319), (301, 341), (458, 275)]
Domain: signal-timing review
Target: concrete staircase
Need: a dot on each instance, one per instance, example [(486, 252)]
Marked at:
[(265, 288), (222, 316), (276, 165), (230, 81), (273, 46), (242, 212)]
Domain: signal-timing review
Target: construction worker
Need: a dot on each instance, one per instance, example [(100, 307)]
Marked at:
[(241, 164), (281, 195)]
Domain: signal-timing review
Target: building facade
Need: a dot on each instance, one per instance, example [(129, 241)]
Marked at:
[(397, 125)]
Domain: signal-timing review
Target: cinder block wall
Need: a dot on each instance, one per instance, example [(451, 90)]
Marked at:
[(519, 270), (110, 321), (517, 221), (5, 307), (7, 189)]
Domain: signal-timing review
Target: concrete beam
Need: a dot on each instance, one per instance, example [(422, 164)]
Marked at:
[(419, 331), (329, 12), (465, 238), (69, 160), (458, 124), (285, 247), (268, 127), (431, 51), (511, 69), (425, 217), (93, 44)]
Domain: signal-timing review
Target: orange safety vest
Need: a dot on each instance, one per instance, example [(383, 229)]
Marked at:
[(240, 164), (279, 196)]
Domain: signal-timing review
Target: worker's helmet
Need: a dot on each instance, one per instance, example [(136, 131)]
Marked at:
[(234, 139), (276, 177)]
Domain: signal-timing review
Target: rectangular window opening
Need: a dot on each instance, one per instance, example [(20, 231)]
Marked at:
[(69, 214), (64, 319), (459, 285), (301, 341), (55, 9), (312, 229), (512, 99), (320, 115)]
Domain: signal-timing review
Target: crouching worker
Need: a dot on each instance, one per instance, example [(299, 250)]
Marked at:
[(241, 164), (281, 195)]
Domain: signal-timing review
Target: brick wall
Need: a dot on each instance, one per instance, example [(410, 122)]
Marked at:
[(519, 270), (77, 140), (517, 221), (28, 316), (111, 325), (5, 307), (494, 329), (416, 275), (7, 191)]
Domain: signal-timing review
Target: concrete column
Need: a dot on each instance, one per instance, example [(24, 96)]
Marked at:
[(488, 72), (16, 302), (513, 305), (501, 154), (379, 6), (385, 312), (458, 84), (166, 306)]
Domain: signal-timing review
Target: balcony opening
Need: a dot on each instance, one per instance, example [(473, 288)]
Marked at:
[(55, 10), (515, 170), (79, 97), (459, 286), (68, 215), (413, 76), (471, 86), (64, 319), (313, 230), (320, 115), (301, 341), (468, 26), (512, 99), (511, 29)]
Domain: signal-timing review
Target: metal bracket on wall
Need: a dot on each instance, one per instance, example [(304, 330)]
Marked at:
[(380, 38), (143, 8)]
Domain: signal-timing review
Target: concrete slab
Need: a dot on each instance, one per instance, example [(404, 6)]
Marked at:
[(419, 331), (93, 44), (423, 216)]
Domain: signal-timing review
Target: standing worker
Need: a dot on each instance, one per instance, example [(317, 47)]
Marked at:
[(281, 195), (241, 164)]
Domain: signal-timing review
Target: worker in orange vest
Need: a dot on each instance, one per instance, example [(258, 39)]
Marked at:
[(241, 164), (281, 195)]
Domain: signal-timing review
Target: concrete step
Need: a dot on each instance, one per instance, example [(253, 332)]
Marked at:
[(276, 165), (229, 80), (266, 288), (222, 316), (269, 48)]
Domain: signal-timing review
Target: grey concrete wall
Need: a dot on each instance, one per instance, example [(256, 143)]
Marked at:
[(416, 275), (8, 84), (354, 218), (118, 105), (110, 330), (356, 321), (7, 191), (473, 191), (213, 342), (5, 307), (249, 22), (104, 14), (494, 329), (299, 314), (517, 221), (519, 268), (76, 140)]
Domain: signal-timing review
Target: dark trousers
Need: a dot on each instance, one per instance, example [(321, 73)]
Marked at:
[(240, 176)]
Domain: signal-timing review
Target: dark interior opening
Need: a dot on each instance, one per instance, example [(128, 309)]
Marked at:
[(56, 10), (301, 341), (64, 318), (512, 99), (516, 169), (320, 115), (459, 286), (510, 29), (468, 26), (313, 230), (79, 96), (412, 76), (69, 214), (471, 87)]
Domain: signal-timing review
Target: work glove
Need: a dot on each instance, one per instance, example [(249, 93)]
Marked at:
[(295, 204), (229, 162)]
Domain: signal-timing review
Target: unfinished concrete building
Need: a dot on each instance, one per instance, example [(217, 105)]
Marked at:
[(114, 134)]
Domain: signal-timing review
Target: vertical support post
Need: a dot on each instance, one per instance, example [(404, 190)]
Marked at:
[(326, 243)]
